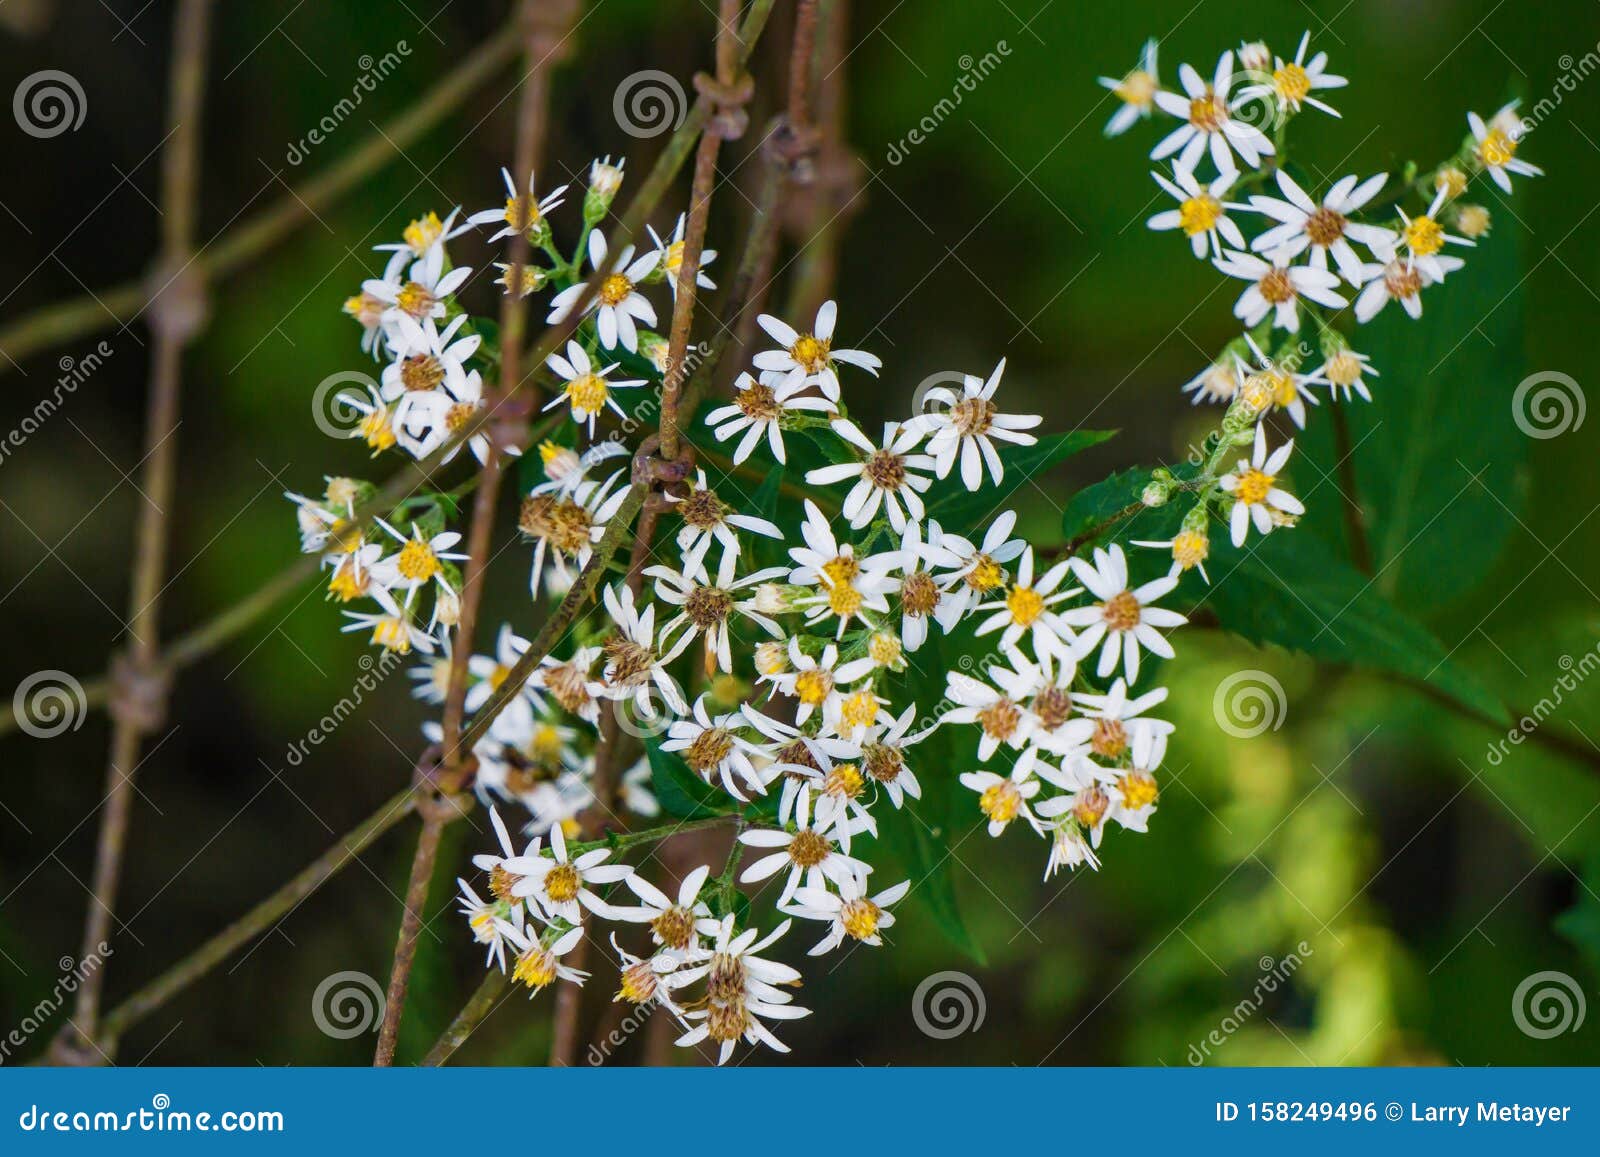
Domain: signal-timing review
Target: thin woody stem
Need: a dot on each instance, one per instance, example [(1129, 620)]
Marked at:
[(139, 699), (121, 304), (544, 23), (257, 920)]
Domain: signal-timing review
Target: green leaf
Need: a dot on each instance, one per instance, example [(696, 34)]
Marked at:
[(1095, 505), (1290, 590), (681, 792), (1581, 923), (1437, 458), (954, 505), (764, 503)]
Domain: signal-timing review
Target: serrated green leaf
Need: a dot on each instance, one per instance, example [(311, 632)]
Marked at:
[(1290, 590)]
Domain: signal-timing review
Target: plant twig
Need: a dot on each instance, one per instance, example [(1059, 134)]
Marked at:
[(1355, 522), (139, 694), (120, 304)]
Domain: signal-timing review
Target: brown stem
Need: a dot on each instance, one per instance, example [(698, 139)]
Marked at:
[(482, 1002), (256, 921), (176, 318), (1355, 522), (405, 949)]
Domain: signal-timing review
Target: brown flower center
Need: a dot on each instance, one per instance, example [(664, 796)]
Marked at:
[(1324, 227), (1121, 611)]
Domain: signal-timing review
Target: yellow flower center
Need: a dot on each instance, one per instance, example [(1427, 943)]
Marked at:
[(1001, 802), (1190, 548), (1292, 83), (587, 394), (1209, 112), (1138, 789), (638, 983), (1121, 611), (536, 968), (562, 883), (482, 923), (1497, 148), (421, 372), (392, 634), (615, 289), (860, 918), (986, 574), (423, 232), (377, 429), (810, 354), (417, 561), (416, 299), (1284, 388), (1276, 286), (1199, 214), (1254, 486), (1110, 738), (859, 710), (884, 648), (808, 849), (521, 212), (1425, 236), (1137, 88), (844, 782), (1090, 807), (459, 415), (1025, 605), (813, 685), (672, 261), (347, 582), (1452, 181), (1343, 369)]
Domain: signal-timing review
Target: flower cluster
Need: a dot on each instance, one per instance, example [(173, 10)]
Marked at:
[(1305, 256)]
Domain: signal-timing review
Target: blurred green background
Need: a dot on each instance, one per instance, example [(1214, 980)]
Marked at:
[(1424, 880)]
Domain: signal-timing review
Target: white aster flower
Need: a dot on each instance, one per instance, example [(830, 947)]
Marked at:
[(999, 717), (422, 234), (1119, 720), (392, 628), (847, 584), (566, 470), (1218, 382), (887, 476), (1496, 148), (851, 913), (634, 668), (538, 963), (1003, 798), (1134, 793), (757, 409), (675, 925), (1271, 383), (1189, 548), (817, 682), (1202, 213), (708, 607), (1256, 496), (671, 258), (587, 389), (1028, 609), (488, 922), (1403, 281), (1292, 83), (741, 989), (1044, 693), (522, 213), (811, 854), (970, 425), (565, 528), (715, 751), (1137, 92), (968, 573), (1345, 370), (1276, 287), (705, 515), (561, 886), (810, 357), (1424, 237), (1209, 123), (421, 293), (1124, 617), (618, 305), (1325, 228)]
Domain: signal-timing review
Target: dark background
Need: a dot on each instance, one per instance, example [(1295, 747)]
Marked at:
[(1425, 881)]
